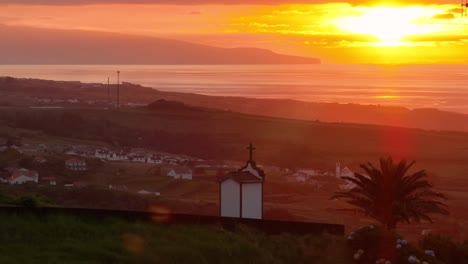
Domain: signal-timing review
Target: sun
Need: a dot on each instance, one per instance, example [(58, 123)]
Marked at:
[(390, 25)]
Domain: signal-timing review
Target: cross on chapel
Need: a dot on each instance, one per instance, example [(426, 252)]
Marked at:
[(251, 148)]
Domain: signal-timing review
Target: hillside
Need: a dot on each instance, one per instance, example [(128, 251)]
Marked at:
[(214, 134), (205, 133), (23, 45), (17, 92)]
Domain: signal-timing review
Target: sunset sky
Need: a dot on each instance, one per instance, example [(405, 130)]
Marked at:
[(410, 31)]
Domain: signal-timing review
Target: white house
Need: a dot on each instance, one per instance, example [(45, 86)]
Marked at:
[(345, 172), (241, 192), (138, 158), (154, 160), (22, 176), (180, 173), (118, 156), (102, 154)]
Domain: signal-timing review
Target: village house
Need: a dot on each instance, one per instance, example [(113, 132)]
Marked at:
[(180, 173), (241, 192), (137, 158), (75, 164), (153, 159), (22, 176), (344, 172), (118, 156), (102, 154)]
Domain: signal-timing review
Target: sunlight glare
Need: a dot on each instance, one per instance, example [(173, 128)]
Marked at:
[(389, 24)]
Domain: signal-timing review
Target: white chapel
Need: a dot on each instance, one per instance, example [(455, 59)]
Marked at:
[(241, 192)]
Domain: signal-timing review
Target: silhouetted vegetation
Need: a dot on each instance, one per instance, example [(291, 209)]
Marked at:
[(166, 105), (68, 239), (390, 196), (26, 200)]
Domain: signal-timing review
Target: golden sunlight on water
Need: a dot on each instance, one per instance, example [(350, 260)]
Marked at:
[(387, 96)]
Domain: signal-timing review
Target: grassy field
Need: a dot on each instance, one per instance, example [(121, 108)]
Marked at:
[(68, 239)]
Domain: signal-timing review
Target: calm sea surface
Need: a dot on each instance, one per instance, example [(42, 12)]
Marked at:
[(414, 86)]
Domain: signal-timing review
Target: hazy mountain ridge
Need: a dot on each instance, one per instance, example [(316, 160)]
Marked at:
[(23, 45)]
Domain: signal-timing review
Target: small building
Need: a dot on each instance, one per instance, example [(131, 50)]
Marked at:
[(153, 159), (345, 172), (102, 154), (75, 164), (138, 158), (118, 156), (22, 176), (180, 173), (241, 192)]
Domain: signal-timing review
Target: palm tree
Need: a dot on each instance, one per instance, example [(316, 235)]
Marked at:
[(390, 195)]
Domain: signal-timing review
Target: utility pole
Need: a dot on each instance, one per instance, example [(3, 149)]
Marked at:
[(118, 89), (108, 92)]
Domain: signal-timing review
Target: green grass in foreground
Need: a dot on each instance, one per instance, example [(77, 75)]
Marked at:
[(68, 239)]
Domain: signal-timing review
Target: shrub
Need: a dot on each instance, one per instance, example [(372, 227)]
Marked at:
[(31, 201), (366, 241), (446, 250)]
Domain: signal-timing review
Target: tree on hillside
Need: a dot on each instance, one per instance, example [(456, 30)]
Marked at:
[(390, 195)]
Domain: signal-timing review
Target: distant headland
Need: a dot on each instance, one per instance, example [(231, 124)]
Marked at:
[(50, 46)]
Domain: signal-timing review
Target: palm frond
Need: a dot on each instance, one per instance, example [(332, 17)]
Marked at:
[(390, 195)]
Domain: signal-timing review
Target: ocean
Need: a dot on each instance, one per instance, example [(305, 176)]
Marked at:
[(413, 86)]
